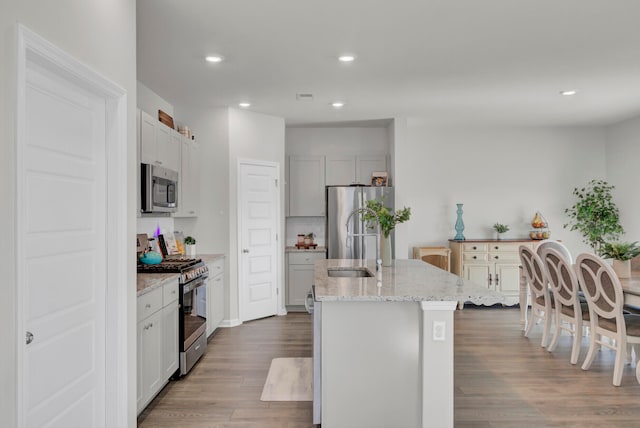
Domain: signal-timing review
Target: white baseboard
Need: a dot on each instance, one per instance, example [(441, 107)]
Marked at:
[(230, 323), (282, 311)]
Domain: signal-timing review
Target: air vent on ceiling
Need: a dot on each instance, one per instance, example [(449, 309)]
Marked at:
[(304, 96)]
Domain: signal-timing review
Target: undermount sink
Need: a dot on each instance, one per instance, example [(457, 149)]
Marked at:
[(349, 273)]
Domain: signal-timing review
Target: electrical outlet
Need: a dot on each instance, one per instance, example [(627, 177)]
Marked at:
[(438, 331)]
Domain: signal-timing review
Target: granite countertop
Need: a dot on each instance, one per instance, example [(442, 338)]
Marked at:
[(147, 282), (405, 281), (294, 249)]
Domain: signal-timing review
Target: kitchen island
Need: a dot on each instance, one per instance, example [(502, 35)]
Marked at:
[(383, 344)]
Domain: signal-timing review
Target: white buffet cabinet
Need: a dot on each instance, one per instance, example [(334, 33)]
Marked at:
[(494, 264), (157, 340)]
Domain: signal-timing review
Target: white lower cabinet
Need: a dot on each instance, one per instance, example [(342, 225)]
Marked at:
[(300, 275), (157, 341), (215, 295)]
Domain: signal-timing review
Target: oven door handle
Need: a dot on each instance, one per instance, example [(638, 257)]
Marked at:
[(194, 284)]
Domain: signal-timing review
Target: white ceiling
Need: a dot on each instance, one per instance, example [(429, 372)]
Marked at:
[(451, 61)]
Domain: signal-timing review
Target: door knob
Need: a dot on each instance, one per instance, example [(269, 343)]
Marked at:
[(245, 250), (29, 337)]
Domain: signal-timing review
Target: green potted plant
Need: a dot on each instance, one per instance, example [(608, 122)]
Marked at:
[(621, 253), (388, 221), (595, 215), (500, 229), (190, 246), (308, 239)]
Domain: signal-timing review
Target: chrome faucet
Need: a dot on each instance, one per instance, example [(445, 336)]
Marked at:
[(362, 235)]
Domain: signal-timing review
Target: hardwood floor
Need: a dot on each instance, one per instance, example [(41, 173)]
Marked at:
[(501, 379)]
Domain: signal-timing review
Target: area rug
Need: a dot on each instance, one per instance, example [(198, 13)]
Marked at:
[(289, 379)]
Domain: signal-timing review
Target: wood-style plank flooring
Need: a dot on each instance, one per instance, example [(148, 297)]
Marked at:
[(501, 379)]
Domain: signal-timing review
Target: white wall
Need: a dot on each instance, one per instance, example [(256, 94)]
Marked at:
[(102, 35), (337, 141), (150, 102), (500, 175), (623, 154)]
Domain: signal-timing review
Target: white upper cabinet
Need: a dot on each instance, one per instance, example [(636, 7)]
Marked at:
[(366, 165), (346, 170), (159, 144), (189, 196), (340, 170), (306, 185)]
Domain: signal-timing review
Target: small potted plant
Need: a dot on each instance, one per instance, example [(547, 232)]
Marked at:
[(621, 253), (500, 229), (190, 246), (308, 239)]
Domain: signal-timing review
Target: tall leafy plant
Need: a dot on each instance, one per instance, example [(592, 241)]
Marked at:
[(387, 218), (595, 215)]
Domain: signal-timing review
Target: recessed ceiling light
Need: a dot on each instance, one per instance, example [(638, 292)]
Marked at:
[(568, 92), (347, 57), (214, 58), (244, 105), (337, 104)]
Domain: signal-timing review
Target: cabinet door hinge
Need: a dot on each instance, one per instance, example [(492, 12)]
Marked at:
[(276, 182)]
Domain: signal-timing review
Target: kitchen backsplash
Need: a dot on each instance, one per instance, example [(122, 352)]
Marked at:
[(150, 225), (304, 225)]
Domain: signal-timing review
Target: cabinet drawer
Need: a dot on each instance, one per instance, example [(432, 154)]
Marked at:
[(216, 267), (170, 292), (475, 257), (149, 303), (469, 247), (304, 258), (498, 247), (504, 257)]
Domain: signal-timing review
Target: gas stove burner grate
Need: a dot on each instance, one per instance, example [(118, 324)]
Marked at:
[(175, 265)]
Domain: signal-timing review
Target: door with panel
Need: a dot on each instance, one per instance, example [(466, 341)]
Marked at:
[(258, 239), (70, 261)]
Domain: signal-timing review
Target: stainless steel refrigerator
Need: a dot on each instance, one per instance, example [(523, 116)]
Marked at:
[(340, 202)]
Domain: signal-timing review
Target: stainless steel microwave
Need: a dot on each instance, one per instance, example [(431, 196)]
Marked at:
[(159, 190)]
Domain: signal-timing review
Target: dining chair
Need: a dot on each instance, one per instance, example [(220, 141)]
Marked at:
[(603, 292), (570, 314), (556, 245), (541, 300), (437, 256)]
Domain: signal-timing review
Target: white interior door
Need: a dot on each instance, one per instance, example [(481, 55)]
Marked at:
[(63, 283), (259, 199)]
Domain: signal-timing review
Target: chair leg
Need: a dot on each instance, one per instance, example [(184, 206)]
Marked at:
[(575, 349), (592, 351), (547, 329), (556, 334), (621, 352), (530, 323)]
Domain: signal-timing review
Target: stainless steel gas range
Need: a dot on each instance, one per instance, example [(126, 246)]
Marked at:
[(193, 277)]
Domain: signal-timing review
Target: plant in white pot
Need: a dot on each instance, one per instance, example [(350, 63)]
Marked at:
[(190, 246), (500, 229), (621, 253)]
